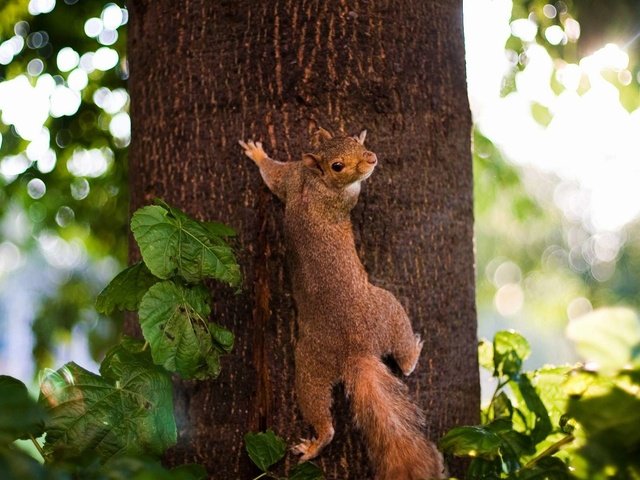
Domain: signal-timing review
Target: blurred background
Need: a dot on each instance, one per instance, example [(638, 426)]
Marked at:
[(554, 89)]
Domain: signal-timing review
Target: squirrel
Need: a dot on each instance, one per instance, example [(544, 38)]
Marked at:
[(345, 324)]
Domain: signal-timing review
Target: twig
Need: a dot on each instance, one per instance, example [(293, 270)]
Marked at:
[(551, 450)]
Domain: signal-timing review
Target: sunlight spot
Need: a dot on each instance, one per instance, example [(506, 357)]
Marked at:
[(507, 272), (603, 271), (112, 16), (120, 126), (59, 253), (21, 28), (10, 257), (555, 35), (577, 307), (67, 59), (606, 246), (569, 75), (36, 188), (47, 162), (37, 40), (549, 11), (108, 37), (90, 163), (509, 299), (625, 77), (24, 106), (86, 62), (13, 165), (111, 101), (64, 216), (105, 58), (39, 145), (10, 48), (572, 29), (37, 7), (78, 80), (35, 67), (64, 101), (80, 188), (608, 57), (93, 27), (524, 29)]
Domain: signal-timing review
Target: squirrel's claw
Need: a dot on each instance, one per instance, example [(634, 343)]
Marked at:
[(253, 150), (307, 448)]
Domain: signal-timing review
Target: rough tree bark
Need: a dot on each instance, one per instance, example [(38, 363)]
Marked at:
[(207, 73)]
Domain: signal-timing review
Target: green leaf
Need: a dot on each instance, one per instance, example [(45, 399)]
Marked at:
[(17, 465), (606, 337), (264, 448), (219, 229), (513, 445), (20, 415), (174, 322), (222, 338), (306, 471), (547, 468), (510, 349), (611, 421), (485, 355), (126, 411), (482, 469), (502, 406), (550, 383), (126, 290), (542, 424), (471, 441), (190, 471), (173, 243), (140, 468), (541, 114)]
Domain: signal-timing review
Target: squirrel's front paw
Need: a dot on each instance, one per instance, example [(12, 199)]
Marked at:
[(253, 150)]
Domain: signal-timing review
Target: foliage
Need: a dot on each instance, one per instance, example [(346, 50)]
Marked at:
[(266, 449), (63, 168), (127, 408), (582, 27), (116, 424), (20, 416), (560, 422)]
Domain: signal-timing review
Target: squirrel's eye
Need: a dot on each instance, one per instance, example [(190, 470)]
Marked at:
[(337, 166)]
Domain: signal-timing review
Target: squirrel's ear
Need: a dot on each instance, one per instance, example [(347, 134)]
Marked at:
[(321, 134), (360, 138), (312, 163), (324, 134)]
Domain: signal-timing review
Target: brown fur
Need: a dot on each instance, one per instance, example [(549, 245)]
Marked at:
[(346, 324)]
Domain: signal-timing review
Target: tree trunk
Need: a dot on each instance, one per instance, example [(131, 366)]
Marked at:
[(207, 73)]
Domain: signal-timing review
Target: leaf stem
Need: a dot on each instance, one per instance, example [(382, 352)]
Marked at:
[(37, 445), (550, 451), (499, 387), (144, 347), (261, 475)]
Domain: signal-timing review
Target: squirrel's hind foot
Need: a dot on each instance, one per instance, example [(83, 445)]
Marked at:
[(408, 365), (309, 449)]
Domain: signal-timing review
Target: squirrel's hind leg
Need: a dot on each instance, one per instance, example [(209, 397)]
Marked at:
[(313, 390), (407, 353), (404, 345)]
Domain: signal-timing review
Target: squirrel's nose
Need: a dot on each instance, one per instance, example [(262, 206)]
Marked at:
[(370, 157)]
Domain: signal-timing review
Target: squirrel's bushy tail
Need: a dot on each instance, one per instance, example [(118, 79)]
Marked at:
[(391, 423)]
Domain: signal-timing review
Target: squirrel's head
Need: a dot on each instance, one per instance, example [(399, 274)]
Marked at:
[(340, 161)]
